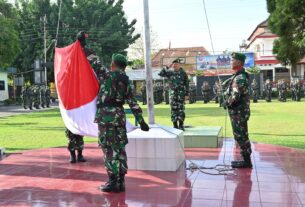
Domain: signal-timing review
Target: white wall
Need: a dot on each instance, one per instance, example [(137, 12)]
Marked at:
[(4, 94)]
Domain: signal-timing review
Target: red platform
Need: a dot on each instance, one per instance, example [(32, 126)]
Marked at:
[(44, 178)]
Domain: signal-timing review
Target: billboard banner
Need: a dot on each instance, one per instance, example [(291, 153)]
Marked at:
[(220, 64)]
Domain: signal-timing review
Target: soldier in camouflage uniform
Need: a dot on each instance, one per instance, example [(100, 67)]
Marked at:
[(43, 96), (238, 105), (215, 91), (75, 143), (24, 97), (179, 84), (48, 96), (36, 95), (298, 90), (268, 90), (114, 91), (255, 91), (166, 92), (143, 91), (192, 93), (30, 97), (206, 89)]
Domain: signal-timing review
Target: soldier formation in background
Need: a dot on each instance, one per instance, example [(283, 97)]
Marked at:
[(255, 91), (206, 90), (36, 96), (296, 90)]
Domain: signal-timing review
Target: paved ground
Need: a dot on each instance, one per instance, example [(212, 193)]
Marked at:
[(44, 178), (15, 110)]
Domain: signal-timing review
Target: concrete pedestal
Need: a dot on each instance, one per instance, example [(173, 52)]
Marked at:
[(159, 149), (202, 137)]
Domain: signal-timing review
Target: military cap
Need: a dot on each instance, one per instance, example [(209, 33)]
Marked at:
[(119, 59), (239, 56), (176, 60)]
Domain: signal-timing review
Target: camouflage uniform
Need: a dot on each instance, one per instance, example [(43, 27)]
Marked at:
[(43, 96), (24, 97), (48, 97), (178, 84), (75, 142), (115, 89), (206, 91), (255, 91), (192, 93), (238, 104), (298, 90), (36, 94), (268, 91), (143, 91), (166, 93), (215, 91), (30, 97)]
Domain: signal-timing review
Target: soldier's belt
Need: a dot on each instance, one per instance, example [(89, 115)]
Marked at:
[(114, 104)]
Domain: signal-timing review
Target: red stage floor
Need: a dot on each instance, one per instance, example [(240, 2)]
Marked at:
[(44, 178)]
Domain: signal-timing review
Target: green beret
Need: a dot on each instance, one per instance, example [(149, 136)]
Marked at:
[(119, 59), (176, 60), (239, 56)]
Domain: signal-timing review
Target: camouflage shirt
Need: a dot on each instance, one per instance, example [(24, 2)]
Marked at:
[(114, 91), (238, 94), (177, 80)]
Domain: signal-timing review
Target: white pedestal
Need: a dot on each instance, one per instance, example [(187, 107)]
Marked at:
[(159, 149)]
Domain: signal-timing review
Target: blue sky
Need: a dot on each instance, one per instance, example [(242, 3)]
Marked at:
[(183, 21)]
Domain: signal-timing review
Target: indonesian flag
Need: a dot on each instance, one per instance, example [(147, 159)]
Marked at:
[(77, 89)]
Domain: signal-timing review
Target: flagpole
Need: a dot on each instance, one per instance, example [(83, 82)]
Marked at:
[(147, 49)]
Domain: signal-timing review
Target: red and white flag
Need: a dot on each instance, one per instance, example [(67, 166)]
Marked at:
[(77, 89)]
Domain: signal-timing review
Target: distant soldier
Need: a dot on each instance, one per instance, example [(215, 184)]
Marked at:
[(30, 97), (255, 91), (36, 94), (192, 96), (43, 96), (215, 91), (298, 90), (283, 89), (268, 90), (166, 93), (24, 96), (48, 96), (143, 92), (206, 89), (179, 87)]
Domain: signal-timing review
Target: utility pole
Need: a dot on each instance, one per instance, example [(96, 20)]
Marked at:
[(45, 49), (149, 83)]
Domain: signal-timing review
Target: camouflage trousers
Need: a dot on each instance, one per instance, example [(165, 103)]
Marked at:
[(75, 142), (112, 140), (177, 105), (240, 132)]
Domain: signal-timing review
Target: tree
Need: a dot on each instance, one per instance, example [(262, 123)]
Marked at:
[(104, 21), (287, 20), (136, 50), (9, 39)]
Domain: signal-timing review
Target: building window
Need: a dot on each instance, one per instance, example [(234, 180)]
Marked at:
[(2, 85)]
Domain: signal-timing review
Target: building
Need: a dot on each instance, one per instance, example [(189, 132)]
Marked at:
[(187, 56), (261, 43), (3, 85)]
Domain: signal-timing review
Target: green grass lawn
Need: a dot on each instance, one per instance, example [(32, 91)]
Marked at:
[(276, 123)]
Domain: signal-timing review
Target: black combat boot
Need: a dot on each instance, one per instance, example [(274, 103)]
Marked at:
[(111, 186), (80, 157), (72, 157), (181, 126), (121, 182), (175, 125), (245, 163)]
